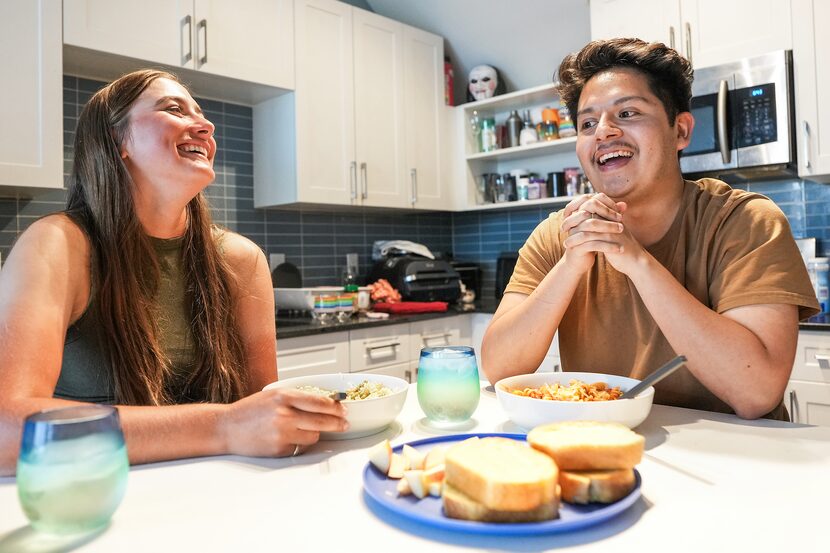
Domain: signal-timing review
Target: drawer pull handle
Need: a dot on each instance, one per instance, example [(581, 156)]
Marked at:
[(823, 361), (384, 346), (444, 336), (794, 415), (386, 351)]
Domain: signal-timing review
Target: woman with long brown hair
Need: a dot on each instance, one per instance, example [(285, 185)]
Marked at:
[(132, 297)]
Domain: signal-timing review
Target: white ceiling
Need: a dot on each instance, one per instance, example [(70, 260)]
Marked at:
[(524, 39)]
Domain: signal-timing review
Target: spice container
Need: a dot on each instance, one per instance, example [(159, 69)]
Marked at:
[(514, 128)]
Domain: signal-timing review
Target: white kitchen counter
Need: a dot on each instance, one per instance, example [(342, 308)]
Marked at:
[(710, 482)]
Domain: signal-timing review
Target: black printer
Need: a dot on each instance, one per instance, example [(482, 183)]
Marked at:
[(418, 278)]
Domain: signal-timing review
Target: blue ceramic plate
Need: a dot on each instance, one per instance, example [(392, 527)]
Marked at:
[(429, 510)]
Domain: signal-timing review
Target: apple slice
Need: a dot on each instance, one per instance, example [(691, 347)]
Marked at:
[(434, 457), (416, 482), (435, 488), (397, 465), (380, 455), (434, 474), (403, 487), (416, 458)]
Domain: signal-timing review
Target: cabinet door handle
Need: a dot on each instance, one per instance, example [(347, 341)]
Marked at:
[(689, 42), (794, 415), (353, 179), (202, 25), (187, 21), (671, 36), (364, 186), (805, 127), (823, 361), (413, 174), (392, 351), (392, 345)]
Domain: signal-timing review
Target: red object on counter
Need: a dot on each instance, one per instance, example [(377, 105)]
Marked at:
[(411, 307)]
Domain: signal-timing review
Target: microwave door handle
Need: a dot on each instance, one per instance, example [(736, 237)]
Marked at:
[(723, 138)]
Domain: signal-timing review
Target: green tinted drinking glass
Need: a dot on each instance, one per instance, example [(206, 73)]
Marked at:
[(448, 386), (72, 468)]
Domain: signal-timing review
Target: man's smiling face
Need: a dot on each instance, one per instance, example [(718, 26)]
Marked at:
[(625, 142)]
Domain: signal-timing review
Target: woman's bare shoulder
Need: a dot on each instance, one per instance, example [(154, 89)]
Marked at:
[(238, 250), (55, 234)]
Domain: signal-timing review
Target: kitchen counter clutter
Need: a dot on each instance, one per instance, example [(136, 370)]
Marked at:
[(709, 482)]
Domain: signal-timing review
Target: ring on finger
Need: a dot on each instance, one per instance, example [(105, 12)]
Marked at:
[(296, 450)]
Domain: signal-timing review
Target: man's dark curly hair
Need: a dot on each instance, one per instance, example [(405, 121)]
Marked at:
[(669, 75)]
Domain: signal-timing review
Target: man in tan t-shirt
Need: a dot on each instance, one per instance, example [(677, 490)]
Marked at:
[(653, 265)]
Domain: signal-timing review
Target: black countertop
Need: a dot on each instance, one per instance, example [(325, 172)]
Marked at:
[(293, 327)]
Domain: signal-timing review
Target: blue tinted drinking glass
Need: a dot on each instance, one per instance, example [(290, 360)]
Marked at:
[(72, 468), (448, 386)]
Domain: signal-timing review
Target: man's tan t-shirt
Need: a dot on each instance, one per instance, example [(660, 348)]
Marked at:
[(728, 248)]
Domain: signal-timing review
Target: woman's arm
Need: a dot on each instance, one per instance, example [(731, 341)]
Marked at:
[(44, 287)]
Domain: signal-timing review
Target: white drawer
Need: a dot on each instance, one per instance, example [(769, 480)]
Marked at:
[(401, 370), (446, 331), (314, 354), (372, 348), (812, 357)]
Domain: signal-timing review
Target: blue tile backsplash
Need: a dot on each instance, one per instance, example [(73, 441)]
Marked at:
[(317, 241)]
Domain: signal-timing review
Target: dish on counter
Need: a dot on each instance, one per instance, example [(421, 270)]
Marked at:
[(529, 412), (429, 510), (366, 416)]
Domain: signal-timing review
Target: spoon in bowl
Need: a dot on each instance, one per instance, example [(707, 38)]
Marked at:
[(655, 377)]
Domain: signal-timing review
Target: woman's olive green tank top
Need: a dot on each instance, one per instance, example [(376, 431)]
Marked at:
[(86, 374)]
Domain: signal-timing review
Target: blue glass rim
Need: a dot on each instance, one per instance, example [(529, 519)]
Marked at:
[(73, 415), (462, 351)]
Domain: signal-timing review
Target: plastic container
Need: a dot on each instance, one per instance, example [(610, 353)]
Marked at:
[(819, 269), (566, 124)]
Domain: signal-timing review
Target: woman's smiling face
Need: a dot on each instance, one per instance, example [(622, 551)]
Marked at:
[(625, 142), (169, 145)]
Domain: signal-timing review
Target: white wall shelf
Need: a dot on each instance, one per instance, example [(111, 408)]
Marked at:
[(531, 150)]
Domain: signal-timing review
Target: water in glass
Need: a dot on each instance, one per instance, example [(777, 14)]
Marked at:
[(448, 385)]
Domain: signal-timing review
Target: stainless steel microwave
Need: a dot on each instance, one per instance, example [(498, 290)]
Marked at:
[(744, 119)]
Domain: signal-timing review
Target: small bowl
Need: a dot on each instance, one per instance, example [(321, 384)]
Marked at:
[(365, 416), (529, 412)]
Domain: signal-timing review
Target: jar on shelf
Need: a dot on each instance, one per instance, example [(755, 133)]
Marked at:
[(548, 128), (528, 134)]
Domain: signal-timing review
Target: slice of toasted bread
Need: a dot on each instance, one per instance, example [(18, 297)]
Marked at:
[(588, 445), (600, 486), (460, 505), (501, 474)]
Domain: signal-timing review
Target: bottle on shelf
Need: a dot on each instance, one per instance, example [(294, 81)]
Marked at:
[(514, 128), (528, 134), (488, 135), (475, 128)]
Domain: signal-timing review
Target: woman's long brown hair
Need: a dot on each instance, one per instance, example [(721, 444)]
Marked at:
[(125, 272)]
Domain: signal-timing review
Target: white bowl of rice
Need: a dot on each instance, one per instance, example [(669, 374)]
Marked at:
[(373, 400)]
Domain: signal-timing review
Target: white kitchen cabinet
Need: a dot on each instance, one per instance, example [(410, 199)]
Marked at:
[(314, 354), (339, 136), (424, 107), (31, 98), (250, 41), (342, 137), (376, 347), (707, 32), (811, 63), (808, 392)]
